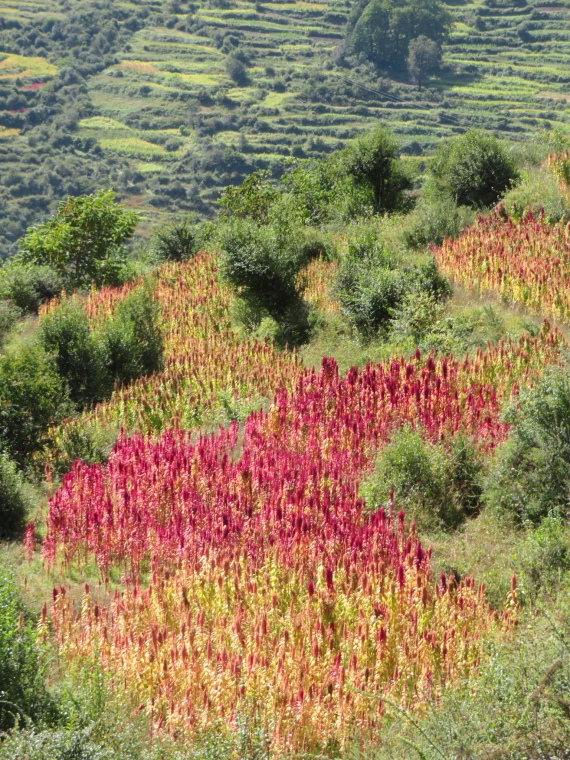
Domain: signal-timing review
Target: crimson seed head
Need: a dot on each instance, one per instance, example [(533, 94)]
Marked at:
[(311, 588), (329, 577)]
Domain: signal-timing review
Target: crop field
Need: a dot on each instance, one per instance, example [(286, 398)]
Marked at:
[(254, 577), (505, 69)]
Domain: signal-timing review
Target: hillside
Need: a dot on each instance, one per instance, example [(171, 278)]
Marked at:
[(137, 96)]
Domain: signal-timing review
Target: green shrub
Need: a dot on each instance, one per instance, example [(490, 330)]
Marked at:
[(474, 169), (23, 694), (415, 317), (531, 476), (369, 296), (434, 220), (175, 243), (27, 286), (56, 744), (79, 355), (132, 341), (9, 315), (14, 502), (374, 284), (373, 163), (261, 264), (83, 241), (539, 190), (32, 398), (439, 487)]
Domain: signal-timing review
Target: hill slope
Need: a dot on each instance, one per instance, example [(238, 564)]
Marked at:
[(138, 96)]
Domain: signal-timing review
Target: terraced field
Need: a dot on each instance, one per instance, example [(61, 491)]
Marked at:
[(173, 128)]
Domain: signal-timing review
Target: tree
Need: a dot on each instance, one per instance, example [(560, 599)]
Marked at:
[(175, 243), (373, 162), (236, 71), (32, 398), (474, 169), (252, 199), (385, 28), (84, 240), (423, 60)]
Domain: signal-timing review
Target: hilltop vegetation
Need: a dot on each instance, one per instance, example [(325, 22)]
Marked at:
[(169, 102)]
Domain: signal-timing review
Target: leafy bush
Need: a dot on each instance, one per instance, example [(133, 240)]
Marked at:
[(434, 220), (373, 163), (61, 744), (538, 191), (91, 361), (373, 283), (370, 296), (27, 286), (79, 355), (261, 264), (531, 477), (9, 315), (438, 487), (474, 169), (32, 398), (415, 317), (14, 501), (23, 695), (175, 243), (132, 341)]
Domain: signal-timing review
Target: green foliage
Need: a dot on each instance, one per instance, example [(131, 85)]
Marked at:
[(439, 487), (424, 59), (79, 354), (27, 286), (474, 169), (435, 219), (9, 315), (14, 500), (374, 283), (538, 190), (373, 162), (132, 340), (385, 28), (83, 242), (23, 695), (32, 398), (236, 70), (531, 477), (252, 199), (176, 242), (61, 744), (261, 263), (122, 348)]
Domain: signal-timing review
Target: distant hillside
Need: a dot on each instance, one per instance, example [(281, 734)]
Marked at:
[(138, 95)]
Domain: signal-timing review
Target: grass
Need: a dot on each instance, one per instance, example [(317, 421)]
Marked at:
[(25, 66)]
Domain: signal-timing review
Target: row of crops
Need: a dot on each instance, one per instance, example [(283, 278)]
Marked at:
[(255, 578)]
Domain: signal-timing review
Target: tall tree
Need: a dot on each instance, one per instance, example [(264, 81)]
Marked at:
[(385, 28), (424, 59)]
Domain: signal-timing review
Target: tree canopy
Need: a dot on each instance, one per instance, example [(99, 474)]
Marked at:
[(384, 28), (83, 241)]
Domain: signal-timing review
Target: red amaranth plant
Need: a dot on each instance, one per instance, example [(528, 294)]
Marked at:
[(527, 262)]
